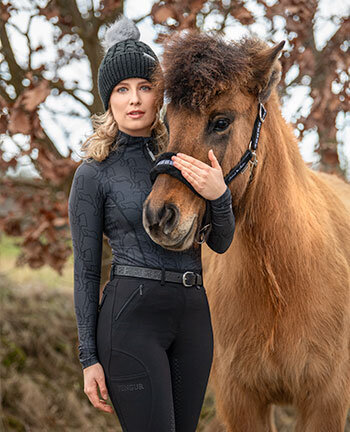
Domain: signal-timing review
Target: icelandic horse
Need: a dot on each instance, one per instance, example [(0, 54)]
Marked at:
[(280, 295)]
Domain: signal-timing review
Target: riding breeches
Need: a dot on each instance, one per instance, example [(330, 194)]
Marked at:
[(155, 344)]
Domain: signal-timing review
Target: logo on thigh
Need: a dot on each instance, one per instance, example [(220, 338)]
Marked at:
[(130, 387)]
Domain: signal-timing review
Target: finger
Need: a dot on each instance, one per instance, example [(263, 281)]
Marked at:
[(100, 404), (103, 388), (191, 174), (105, 407), (190, 177), (192, 160), (92, 394), (214, 161), (182, 163)]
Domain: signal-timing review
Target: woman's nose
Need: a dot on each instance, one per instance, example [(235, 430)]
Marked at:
[(135, 97)]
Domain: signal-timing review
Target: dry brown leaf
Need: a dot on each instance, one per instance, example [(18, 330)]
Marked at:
[(243, 15), (19, 122), (33, 97), (161, 13), (3, 123), (196, 5)]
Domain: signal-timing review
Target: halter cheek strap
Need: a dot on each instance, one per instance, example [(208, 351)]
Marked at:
[(250, 153), (164, 164)]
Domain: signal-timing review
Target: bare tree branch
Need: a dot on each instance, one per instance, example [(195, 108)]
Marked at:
[(16, 72), (4, 94)]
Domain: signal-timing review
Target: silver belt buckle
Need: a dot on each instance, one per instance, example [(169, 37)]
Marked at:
[(184, 278)]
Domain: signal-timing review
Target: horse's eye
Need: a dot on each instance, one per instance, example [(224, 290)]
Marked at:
[(221, 124)]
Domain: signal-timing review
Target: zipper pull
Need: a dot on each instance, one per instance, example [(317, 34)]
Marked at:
[(150, 153), (141, 286)]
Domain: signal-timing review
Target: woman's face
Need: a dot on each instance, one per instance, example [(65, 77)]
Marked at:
[(133, 104)]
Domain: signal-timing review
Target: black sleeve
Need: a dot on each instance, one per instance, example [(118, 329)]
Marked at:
[(85, 209), (223, 223)]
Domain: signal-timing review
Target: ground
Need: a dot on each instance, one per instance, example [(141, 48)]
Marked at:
[(41, 377)]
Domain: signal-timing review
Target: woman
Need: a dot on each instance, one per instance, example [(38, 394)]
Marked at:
[(149, 343)]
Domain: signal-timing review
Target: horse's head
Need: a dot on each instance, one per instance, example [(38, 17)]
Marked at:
[(213, 89)]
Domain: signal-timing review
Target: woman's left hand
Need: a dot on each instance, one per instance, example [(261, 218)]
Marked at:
[(207, 180)]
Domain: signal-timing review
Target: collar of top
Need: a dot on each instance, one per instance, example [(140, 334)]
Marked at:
[(130, 140)]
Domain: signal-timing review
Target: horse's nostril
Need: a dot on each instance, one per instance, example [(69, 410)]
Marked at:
[(168, 217), (163, 218), (149, 214)]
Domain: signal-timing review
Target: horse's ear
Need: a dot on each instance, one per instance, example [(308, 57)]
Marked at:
[(267, 71)]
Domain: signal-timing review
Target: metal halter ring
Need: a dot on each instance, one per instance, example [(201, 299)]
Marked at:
[(202, 232), (262, 112), (254, 160)]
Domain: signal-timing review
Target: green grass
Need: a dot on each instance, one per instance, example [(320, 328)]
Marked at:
[(42, 278), (8, 246)]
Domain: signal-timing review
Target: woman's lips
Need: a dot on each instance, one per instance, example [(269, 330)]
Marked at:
[(136, 114)]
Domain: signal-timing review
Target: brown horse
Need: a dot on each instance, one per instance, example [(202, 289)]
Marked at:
[(280, 295)]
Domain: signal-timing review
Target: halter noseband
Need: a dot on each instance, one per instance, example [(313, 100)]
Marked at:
[(164, 164)]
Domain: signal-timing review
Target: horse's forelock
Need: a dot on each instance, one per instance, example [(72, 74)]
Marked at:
[(198, 67)]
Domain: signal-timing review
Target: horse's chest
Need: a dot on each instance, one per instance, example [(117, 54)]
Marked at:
[(281, 366), (259, 368)]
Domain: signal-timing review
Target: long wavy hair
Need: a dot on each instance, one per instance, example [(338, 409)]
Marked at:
[(98, 145)]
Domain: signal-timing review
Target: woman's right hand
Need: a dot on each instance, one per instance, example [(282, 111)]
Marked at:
[(94, 377)]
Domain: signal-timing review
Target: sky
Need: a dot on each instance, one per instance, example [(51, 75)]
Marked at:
[(71, 131)]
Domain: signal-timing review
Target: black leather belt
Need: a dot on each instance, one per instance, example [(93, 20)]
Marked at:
[(187, 278)]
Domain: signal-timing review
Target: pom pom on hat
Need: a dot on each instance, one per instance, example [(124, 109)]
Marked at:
[(122, 29)]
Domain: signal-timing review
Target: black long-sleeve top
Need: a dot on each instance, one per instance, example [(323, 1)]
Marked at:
[(107, 197)]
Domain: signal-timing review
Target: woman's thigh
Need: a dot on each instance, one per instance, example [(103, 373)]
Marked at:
[(136, 324), (190, 357), (140, 389)]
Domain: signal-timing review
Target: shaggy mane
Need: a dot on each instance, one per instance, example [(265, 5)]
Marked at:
[(199, 67)]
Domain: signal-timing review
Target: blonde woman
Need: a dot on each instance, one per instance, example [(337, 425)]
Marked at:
[(148, 343)]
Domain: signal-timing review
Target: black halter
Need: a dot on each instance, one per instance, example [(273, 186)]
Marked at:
[(164, 164)]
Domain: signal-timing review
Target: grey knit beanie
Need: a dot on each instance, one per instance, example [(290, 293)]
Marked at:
[(125, 57)]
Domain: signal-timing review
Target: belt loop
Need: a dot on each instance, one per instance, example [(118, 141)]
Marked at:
[(162, 281), (111, 272), (197, 281)]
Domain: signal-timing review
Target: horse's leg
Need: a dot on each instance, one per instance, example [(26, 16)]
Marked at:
[(322, 413), (242, 412)]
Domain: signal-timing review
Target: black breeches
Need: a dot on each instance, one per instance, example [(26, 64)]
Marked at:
[(155, 344)]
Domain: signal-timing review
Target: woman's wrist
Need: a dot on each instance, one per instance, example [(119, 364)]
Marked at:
[(223, 197), (89, 361)]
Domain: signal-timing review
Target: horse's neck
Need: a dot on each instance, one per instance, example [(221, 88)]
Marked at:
[(282, 184), (271, 231), (281, 174)]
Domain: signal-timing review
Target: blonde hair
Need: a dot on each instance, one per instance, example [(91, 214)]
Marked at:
[(98, 145)]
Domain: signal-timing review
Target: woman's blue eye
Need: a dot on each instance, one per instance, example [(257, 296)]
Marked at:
[(144, 88)]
